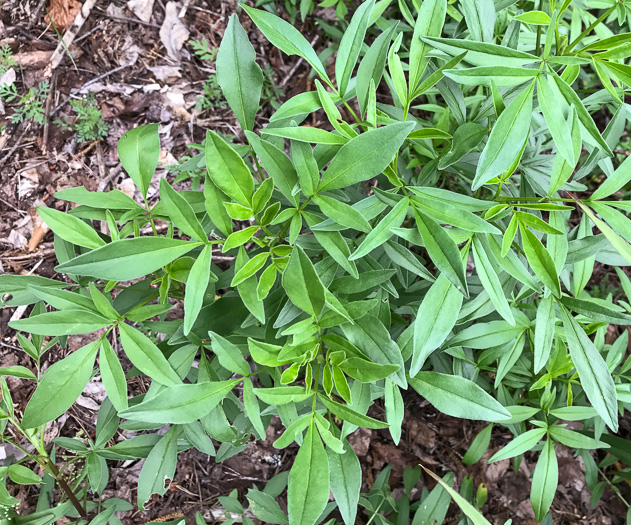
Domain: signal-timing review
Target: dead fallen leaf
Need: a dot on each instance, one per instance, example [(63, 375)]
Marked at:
[(141, 8), (163, 73), (8, 78), (173, 32), (40, 229), (61, 13)]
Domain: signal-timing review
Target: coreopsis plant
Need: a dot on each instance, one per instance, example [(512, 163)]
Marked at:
[(439, 243)]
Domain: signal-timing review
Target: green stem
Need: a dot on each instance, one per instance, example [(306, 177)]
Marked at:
[(591, 27)]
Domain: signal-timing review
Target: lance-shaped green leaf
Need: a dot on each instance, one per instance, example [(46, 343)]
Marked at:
[(365, 156), (229, 355), (482, 54), (479, 446), (196, 285), (490, 281), (146, 356), (442, 250), (381, 233), (372, 66), (545, 479), (540, 260), (287, 38), (159, 466), (128, 259), (573, 439), (623, 247), (502, 76), (506, 140), (342, 213), (345, 475), (70, 228), (480, 17), (544, 332), (227, 170), (306, 166), (181, 212), (60, 386), (306, 134), (348, 414), (435, 318), (277, 164), (302, 284), (614, 182), (592, 370), (351, 44), (583, 115), (429, 23), (596, 311), (552, 109), (139, 152), (214, 200), (113, 376), (181, 404), (66, 322), (238, 74), (308, 488), (113, 200), (458, 397), (522, 443)]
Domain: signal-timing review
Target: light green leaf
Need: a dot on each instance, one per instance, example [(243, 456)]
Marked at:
[(139, 152), (306, 134), (537, 18), (146, 356), (544, 332), (342, 213), (128, 259), (522, 443), (60, 386), (540, 261), (381, 233), (435, 318), (502, 76), (592, 370), (287, 38), (443, 251), (159, 466), (365, 156), (227, 170), (348, 414), (346, 478), (230, 357), (181, 212), (544, 480), (351, 44), (429, 23), (457, 396), (507, 138), (482, 54), (238, 74), (302, 284), (66, 322), (308, 490), (196, 285), (113, 376), (70, 228), (181, 404)]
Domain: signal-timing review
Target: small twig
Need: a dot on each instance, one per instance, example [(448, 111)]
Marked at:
[(34, 255), (49, 100), (35, 14)]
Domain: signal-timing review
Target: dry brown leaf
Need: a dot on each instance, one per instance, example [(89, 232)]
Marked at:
[(141, 8), (61, 13), (173, 32)]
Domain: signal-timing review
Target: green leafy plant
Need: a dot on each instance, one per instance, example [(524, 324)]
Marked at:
[(441, 243), (88, 121), (6, 59), (30, 106)]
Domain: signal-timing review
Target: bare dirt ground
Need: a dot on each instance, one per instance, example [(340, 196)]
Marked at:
[(140, 67)]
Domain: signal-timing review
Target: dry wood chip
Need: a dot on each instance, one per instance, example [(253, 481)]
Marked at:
[(141, 8)]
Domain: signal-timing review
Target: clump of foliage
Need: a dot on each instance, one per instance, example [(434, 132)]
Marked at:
[(6, 59), (88, 121), (30, 106), (346, 278)]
